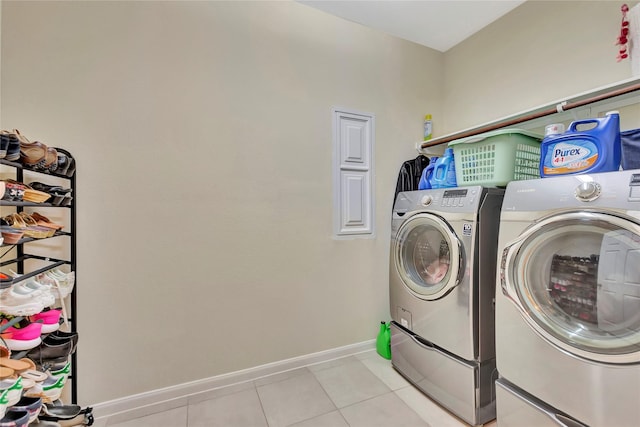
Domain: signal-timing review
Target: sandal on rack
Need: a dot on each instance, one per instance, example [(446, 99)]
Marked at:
[(35, 196), (33, 154), (36, 154), (14, 364), (30, 230), (30, 375), (15, 221), (11, 235), (39, 231), (43, 221)]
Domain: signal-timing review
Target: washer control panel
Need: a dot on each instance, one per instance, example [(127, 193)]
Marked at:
[(458, 197), (455, 199)]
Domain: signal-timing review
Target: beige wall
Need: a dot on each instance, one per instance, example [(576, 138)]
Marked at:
[(203, 137), (539, 53)]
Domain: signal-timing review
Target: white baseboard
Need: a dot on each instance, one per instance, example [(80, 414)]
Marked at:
[(142, 404)]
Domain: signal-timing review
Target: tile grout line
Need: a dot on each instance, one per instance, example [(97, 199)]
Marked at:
[(264, 414)]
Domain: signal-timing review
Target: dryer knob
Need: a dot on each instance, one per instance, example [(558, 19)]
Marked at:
[(588, 191), (426, 200)]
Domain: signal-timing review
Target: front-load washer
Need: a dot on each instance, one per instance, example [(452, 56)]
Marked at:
[(441, 287), (568, 301)]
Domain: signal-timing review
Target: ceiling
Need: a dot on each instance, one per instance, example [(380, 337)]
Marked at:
[(438, 24)]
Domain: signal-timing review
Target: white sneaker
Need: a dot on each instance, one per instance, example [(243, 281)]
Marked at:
[(14, 388), (20, 301), (36, 290), (61, 282)]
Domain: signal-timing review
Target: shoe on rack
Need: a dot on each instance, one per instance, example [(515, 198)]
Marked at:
[(12, 145), (20, 302), (49, 390), (20, 339), (35, 196), (51, 352), (30, 372), (49, 319), (33, 229), (63, 373), (13, 191), (67, 415), (71, 167), (4, 400), (57, 192), (14, 388), (51, 163), (15, 365), (5, 281), (15, 419), (63, 163), (4, 143), (62, 336), (11, 235), (61, 282), (36, 290), (32, 405), (43, 221), (32, 154)]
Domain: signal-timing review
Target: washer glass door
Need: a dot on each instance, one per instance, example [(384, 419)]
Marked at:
[(428, 256), (576, 279)]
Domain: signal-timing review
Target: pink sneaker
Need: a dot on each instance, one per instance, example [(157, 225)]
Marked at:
[(24, 338), (49, 319)]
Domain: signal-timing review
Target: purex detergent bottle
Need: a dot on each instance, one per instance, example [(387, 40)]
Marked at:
[(576, 151)]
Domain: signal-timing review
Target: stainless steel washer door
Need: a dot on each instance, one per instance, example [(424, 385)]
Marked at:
[(575, 278), (428, 257)]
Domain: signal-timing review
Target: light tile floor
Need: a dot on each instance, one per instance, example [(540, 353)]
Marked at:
[(358, 391)]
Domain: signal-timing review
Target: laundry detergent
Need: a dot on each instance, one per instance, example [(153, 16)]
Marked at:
[(444, 173), (576, 151), (427, 173)]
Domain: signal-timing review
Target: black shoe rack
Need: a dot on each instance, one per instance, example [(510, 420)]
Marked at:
[(19, 252)]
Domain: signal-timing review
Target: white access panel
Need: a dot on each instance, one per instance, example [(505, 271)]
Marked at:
[(353, 173)]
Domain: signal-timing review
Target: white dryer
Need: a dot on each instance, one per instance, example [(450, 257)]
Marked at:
[(441, 286), (568, 302)]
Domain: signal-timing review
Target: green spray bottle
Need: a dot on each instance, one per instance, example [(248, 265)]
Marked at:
[(383, 342)]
